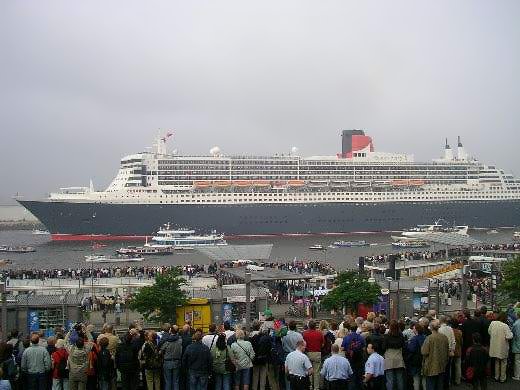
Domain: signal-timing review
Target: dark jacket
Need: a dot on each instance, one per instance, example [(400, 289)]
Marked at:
[(197, 358), (477, 358), (413, 355), (393, 342), (468, 327), (127, 357)]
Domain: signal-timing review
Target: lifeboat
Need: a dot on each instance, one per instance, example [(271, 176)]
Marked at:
[(222, 183), (295, 183), (416, 182), (261, 183), (201, 183), (242, 183)]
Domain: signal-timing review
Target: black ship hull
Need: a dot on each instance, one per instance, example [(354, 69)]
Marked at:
[(76, 221)]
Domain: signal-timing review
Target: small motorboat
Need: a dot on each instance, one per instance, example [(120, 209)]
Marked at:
[(40, 232), (492, 231), (113, 259), (350, 244), (317, 247), (516, 235), (17, 249)]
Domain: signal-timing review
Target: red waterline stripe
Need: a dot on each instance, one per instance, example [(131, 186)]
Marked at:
[(96, 237)]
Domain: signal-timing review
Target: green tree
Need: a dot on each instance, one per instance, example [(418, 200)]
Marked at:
[(351, 289), (510, 284), (159, 301)]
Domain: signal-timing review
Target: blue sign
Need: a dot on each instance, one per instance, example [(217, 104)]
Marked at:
[(227, 312), (33, 321)]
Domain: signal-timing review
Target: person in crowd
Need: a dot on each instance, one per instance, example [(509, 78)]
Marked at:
[(484, 323), (8, 364), (374, 377), (336, 370), (151, 361), (477, 358), (341, 333), (170, 347), (315, 341), (105, 366), (4, 383), (113, 340), (457, 354), (127, 362), (222, 369), (353, 345), (210, 339), (499, 336), (227, 330), (298, 367), (447, 331), (197, 359), (78, 365), (290, 340), (262, 369), (60, 372), (515, 349), (35, 363), (414, 357), (435, 351), (469, 326), (242, 354), (393, 343)]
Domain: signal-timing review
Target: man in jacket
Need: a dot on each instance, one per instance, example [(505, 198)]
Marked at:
[(197, 358), (127, 362), (500, 334), (435, 351), (515, 349), (171, 350), (36, 362)]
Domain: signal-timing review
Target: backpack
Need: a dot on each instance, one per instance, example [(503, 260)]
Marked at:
[(277, 354), (149, 357), (63, 370), (172, 350)]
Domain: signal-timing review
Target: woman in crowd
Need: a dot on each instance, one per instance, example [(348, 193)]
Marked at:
[(222, 365), (393, 343), (242, 356)]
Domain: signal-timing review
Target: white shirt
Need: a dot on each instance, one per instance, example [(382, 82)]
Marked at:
[(447, 331), (210, 339), (229, 333)]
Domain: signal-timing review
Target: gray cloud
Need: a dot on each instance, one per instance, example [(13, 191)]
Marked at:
[(84, 83)]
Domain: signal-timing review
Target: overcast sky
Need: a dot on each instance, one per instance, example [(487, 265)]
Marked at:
[(82, 83)]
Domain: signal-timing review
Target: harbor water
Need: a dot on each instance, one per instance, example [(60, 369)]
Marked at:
[(61, 254)]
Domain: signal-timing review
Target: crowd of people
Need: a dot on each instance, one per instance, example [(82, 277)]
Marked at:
[(150, 272), (432, 352)]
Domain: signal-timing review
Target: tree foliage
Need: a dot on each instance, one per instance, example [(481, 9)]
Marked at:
[(510, 284), (159, 301), (351, 289)]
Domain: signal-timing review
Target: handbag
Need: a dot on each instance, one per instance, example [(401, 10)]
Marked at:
[(230, 366)]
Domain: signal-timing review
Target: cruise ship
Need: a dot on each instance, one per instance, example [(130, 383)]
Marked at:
[(355, 190)]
